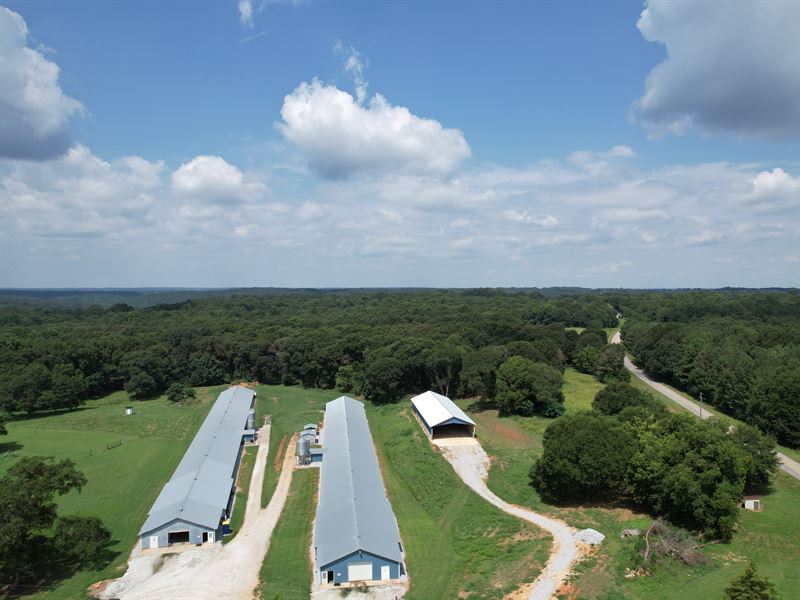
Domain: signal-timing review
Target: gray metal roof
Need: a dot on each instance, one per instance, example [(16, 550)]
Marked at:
[(353, 512), (199, 489)]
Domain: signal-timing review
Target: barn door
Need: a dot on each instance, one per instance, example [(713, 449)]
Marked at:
[(359, 571)]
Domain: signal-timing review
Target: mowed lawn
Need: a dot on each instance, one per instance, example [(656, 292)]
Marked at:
[(769, 538), (455, 542), (289, 408), (243, 478), (123, 481), (287, 569)]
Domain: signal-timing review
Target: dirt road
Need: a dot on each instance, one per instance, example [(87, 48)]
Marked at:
[(789, 466), (471, 464), (228, 572)]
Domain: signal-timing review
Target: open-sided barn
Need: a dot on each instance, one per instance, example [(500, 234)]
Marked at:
[(355, 534), (440, 417), (192, 504)]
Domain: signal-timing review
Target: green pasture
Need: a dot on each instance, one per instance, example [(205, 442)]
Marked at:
[(286, 571), (123, 479), (289, 408), (455, 542), (769, 538), (242, 490)]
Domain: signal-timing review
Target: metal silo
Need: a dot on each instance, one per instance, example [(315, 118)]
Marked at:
[(303, 451), (251, 419)]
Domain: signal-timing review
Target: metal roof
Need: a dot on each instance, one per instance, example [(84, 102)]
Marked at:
[(353, 512), (436, 409), (199, 489)]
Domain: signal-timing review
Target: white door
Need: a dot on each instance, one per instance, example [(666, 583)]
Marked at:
[(359, 571), (154, 541), (386, 572), (211, 536)]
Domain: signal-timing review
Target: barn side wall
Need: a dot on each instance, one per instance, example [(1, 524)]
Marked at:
[(339, 567), (423, 421), (195, 533)]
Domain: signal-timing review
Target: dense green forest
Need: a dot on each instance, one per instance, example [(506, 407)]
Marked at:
[(741, 351), (740, 348), (382, 344)]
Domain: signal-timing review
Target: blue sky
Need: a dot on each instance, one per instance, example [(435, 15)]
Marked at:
[(361, 144)]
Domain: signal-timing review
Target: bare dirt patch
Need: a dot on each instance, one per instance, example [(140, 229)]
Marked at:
[(521, 593), (568, 591), (513, 434), (247, 384), (279, 454)]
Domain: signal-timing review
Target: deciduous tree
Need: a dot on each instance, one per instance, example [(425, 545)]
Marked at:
[(526, 388), (750, 586), (585, 456)]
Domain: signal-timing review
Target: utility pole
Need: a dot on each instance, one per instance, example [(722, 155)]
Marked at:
[(701, 406)]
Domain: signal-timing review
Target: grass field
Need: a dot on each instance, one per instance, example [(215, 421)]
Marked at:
[(769, 538), (124, 481), (289, 407), (454, 541), (457, 544), (287, 568), (242, 489)]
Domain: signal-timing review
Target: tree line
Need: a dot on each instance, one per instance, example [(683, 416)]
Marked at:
[(741, 352), (630, 449), (382, 344), (740, 348)]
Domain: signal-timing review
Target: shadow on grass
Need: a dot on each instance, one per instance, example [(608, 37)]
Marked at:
[(478, 406), (23, 416), (10, 447), (44, 566)]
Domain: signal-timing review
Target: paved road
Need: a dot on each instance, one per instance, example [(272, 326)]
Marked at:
[(471, 463), (789, 466)]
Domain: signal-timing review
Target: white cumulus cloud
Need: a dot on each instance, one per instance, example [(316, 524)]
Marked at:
[(245, 13), (80, 195), (341, 136), (34, 111), (213, 179), (730, 66)]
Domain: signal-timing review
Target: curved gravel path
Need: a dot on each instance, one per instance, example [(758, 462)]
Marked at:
[(471, 464), (221, 572), (788, 466)]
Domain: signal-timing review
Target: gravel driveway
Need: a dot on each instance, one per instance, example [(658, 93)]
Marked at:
[(228, 572), (471, 464)]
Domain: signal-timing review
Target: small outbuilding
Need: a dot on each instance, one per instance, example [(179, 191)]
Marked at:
[(751, 503), (440, 417)]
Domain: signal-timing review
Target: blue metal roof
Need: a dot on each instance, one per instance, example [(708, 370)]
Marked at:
[(199, 489), (353, 512)]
